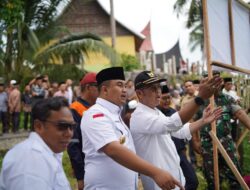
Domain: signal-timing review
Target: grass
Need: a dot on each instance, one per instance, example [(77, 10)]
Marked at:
[(68, 170), (246, 155)]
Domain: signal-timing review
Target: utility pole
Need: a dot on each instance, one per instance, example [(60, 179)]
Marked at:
[(113, 26)]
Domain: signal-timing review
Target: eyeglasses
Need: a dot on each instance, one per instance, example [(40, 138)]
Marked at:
[(62, 125)]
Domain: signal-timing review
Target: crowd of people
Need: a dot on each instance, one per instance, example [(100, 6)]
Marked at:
[(13, 102), (117, 131)]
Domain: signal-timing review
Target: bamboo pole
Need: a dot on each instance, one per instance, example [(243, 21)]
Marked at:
[(209, 70), (231, 31), (242, 136), (229, 161), (231, 67)]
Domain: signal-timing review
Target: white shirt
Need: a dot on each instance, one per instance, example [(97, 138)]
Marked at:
[(152, 131), (231, 93), (31, 165), (100, 125), (70, 93)]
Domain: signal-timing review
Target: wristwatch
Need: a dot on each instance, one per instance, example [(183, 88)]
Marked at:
[(199, 101)]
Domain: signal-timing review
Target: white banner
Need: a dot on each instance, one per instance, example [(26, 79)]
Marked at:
[(218, 25)]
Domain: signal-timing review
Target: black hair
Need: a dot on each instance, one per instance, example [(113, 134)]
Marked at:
[(188, 81), (104, 83), (42, 109), (61, 83)]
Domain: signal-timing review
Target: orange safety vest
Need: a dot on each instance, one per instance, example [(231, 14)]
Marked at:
[(78, 107)]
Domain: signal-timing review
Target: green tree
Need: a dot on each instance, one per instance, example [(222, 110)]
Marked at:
[(17, 18), (129, 62), (194, 21), (26, 24), (74, 48)]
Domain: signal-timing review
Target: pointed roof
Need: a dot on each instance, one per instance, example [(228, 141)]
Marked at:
[(146, 44)]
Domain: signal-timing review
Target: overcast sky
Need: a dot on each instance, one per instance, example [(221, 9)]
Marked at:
[(166, 28)]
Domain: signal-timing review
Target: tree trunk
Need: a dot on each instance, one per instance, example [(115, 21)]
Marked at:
[(8, 55)]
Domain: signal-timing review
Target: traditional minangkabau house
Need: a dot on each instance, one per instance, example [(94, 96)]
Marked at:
[(88, 16), (154, 61)]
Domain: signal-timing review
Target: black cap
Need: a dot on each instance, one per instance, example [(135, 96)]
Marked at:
[(215, 72), (228, 79), (164, 89), (196, 81), (112, 73), (146, 78)]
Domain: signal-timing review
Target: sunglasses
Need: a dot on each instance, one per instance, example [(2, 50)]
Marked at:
[(62, 125)]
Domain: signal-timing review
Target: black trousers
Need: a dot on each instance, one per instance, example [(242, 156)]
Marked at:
[(27, 120), (4, 120), (189, 173), (15, 121)]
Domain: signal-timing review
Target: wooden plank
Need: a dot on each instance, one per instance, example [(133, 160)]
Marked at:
[(230, 67), (229, 161), (242, 136), (210, 75)]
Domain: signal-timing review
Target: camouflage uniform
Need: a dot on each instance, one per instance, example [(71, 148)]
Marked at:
[(224, 129)]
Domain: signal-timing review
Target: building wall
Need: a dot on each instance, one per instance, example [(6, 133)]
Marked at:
[(124, 44)]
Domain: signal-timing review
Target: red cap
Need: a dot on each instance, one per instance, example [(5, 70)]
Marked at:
[(88, 78)]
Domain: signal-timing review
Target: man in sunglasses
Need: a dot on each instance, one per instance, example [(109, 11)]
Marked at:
[(110, 159), (36, 163), (89, 93), (152, 130)]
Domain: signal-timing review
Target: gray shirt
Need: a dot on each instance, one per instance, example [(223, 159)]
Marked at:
[(3, 101)]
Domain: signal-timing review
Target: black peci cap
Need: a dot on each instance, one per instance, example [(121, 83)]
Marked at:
[(112, 73), (146, 78), (227, 79), (164, 89), (215, 72), (196, 81)]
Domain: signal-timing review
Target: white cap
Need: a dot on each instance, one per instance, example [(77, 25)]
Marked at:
[(13, 82), (132, 104)]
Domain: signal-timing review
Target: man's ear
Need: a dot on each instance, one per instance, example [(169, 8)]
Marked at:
[(38, 126), (139, 93), (104, 89)]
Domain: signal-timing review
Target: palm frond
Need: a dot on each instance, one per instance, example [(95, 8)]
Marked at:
[(77, 44), (178, 6)]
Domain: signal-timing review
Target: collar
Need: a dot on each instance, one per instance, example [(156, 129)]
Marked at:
[(40, 145), (83, 102), (108, 105)]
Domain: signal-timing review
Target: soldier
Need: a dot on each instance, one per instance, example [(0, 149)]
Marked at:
[(230, 108)]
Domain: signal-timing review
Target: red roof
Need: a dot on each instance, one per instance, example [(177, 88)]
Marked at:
[(146, 44)]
